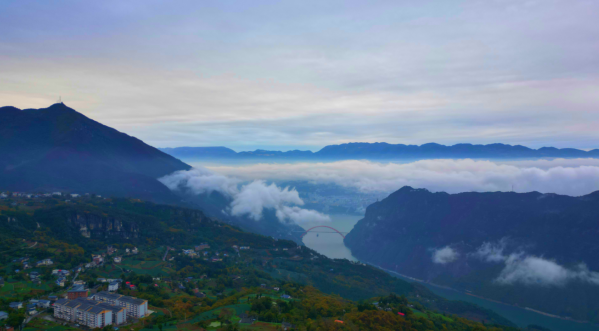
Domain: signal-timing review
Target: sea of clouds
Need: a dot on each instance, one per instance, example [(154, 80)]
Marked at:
[(563, 176)]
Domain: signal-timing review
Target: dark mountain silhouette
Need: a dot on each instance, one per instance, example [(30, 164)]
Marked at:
[(403, 231), (59, 149), (385, 151)]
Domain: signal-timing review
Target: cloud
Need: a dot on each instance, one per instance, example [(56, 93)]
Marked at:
[(445, 255), (200, 180), (299, 215), (533, 270), (521, 268), (256, 196), (475, 72), (491, 252), (250, 200), (452, 176)]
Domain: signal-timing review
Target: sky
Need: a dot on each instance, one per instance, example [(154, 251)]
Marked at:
[(305, 74)]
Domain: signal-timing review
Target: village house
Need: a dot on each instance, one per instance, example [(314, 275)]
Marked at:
[(15, 305), (118, 259), (44, 262), (112, 287), (78, 291), (202, 246)]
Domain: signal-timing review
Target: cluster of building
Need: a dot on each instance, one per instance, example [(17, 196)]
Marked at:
[(101, 309)]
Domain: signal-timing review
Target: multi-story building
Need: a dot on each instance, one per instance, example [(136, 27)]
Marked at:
[(134, 307), (93, 314)]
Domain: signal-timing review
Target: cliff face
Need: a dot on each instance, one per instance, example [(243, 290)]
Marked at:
[(95, 226), (531, 249)]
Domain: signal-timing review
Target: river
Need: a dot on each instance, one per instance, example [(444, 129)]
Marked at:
[(330, 243)]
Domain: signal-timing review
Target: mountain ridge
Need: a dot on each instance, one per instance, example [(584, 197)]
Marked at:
[(382, 150)]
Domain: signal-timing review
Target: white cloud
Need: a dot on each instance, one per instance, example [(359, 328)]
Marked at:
[(452, 176), (445, 255), (533, 270), (256, 196), (299, 215), (250, 200), (491, 252), (521, 268), (200, 180)]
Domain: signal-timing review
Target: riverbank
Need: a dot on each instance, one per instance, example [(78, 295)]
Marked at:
[(331, 245)]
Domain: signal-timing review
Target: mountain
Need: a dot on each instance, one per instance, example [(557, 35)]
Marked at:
[(385, 151), (69, 233), (528, 249), (59, 149)]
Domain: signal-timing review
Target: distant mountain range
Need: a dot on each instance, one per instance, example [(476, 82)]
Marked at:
[(385, 151), (528, 249), (58, 149)]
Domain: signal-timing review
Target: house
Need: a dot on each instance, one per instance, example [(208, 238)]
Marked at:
[(134, 250), (53, 298), (113, 286), (33, 275), (78, 291), (15, 305), (287, 326), (44, 262), (246, 319), (134, 307), (90, 313), (202, 246), (3, 315), (60, 281), (285, 296), (244, 247), (44, 303), (117, 259), (32, 310)]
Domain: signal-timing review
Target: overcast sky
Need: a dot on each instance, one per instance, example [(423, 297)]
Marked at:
[(304, 74)]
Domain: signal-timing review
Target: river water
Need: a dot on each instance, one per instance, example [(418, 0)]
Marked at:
[(330, 244)]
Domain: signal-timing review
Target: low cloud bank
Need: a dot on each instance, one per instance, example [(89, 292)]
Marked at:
[(445, 255), (250, 200), (533, 270), (563, 176)]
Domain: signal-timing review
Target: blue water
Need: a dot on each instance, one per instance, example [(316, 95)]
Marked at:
[(331, 245)]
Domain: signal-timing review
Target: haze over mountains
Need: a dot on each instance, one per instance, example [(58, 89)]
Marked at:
[(529, 249), (385, 151)]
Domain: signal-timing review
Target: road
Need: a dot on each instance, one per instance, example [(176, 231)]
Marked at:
[(165, 253)]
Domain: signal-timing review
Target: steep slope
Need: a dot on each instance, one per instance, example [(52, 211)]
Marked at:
[(526, 249), (59, 149)]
